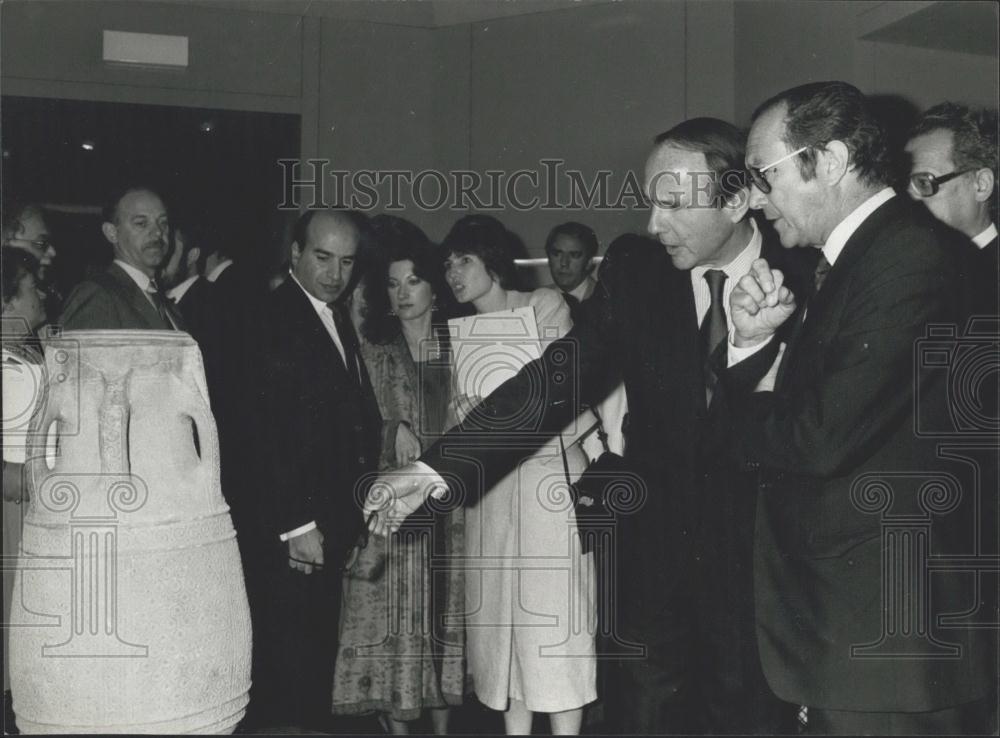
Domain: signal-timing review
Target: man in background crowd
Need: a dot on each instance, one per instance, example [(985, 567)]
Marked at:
[(954, 173), (570, 248), (25, 227), (126, 294)]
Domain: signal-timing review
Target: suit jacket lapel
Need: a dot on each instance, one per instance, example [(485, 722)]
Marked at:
[(312, 326), (134, 297), (815, 308)]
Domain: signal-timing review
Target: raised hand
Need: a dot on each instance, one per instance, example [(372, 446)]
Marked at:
[(759, 304)]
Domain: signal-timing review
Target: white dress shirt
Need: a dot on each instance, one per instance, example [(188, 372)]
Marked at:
[(138, 276), (177, 292), (983, 239), (219, 269), (835, 243), (734, 271), (144, 283)]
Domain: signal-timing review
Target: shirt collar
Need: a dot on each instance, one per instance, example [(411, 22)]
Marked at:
[(740, 264), (219, 269), (138, 276), (177, 292), (318, 305), (840, 235), (983, 239), (581, 290)]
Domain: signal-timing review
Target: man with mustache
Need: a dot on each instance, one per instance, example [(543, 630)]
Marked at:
[(126, 295)]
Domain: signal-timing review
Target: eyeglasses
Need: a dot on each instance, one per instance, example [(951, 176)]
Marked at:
[(42, 244), (757, 173), (925, 184)]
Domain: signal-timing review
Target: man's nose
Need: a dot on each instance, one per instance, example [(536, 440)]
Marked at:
[(757, 198), (564, 262), (653, 226)]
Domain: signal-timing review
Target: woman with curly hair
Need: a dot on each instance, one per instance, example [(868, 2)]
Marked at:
[(401, 646)]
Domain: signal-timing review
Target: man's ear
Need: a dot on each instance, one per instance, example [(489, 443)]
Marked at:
[(736, 205), (833, 162), (193, 256), (296, 254), (985, 183), (110, 231)]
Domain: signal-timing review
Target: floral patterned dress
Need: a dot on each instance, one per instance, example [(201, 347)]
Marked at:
[(402, 642)]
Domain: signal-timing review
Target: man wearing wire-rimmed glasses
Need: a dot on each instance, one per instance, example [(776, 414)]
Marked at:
[(831, 432)]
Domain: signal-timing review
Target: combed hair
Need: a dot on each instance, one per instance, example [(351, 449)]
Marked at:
[(974, 131), (724, 147), (820, 112), (582, 233)]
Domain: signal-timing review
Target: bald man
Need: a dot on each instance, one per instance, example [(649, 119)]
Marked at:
[(319, 434)]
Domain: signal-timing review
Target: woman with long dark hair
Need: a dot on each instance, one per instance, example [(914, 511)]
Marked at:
[(401, 646)]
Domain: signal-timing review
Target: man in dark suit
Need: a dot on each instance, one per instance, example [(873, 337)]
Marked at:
[(953, 171), (658, 312), (844, 476), (320, 433), (126, 294), (570, 248)]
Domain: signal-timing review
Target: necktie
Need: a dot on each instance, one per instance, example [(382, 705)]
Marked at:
[(168, 314), (347, 338), (822, 269), (713, 327)]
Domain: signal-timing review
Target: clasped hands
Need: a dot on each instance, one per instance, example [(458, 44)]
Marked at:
[(396, 495), (759, 304)]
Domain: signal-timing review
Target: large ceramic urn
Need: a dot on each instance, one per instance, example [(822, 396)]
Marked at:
[(130, 611)]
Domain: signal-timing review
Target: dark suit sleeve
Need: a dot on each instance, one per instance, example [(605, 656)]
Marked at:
[(290, 456), (861, 384), (530, 408)]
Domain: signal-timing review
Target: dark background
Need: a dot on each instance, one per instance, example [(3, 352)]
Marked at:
[(224, 183)]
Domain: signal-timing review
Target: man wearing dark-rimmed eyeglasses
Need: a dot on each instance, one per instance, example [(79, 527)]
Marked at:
[(953, 171)]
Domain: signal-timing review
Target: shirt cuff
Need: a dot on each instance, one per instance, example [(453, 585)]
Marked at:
[(736, 354), (766, 384), (439, 487), (299, 531)]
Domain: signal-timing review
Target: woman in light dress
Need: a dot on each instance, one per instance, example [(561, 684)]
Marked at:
[(23, 314), (530, 607)]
